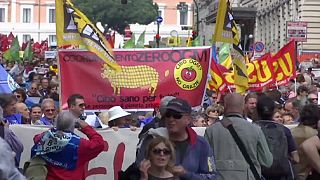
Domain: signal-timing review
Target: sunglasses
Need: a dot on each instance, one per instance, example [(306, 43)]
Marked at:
[(313, 99), (49, 110), (158, 152), (174, 114), (82, 105), (18, 96), (33, 88)]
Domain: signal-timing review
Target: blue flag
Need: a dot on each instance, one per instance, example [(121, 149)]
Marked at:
[(7, 84)]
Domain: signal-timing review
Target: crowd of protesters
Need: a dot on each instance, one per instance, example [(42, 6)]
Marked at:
[(168, 146)]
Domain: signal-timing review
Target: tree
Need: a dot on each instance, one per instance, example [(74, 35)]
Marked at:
[(116, 15)]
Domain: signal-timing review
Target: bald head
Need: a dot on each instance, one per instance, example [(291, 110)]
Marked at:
[(233, 103), (22, 109), (66, 121)]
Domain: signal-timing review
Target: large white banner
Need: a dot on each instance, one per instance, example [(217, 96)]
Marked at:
[(119, 153)]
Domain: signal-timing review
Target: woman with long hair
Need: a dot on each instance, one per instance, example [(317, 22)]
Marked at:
[(159, 161)]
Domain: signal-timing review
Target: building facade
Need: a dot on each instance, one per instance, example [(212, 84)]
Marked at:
[(36, 19), (266, 21), (29, 19), (274, 15)]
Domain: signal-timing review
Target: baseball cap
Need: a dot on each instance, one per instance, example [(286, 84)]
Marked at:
[(179, 105)]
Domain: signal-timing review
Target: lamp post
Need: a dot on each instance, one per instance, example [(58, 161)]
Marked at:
[(159, 21), (197, 11)]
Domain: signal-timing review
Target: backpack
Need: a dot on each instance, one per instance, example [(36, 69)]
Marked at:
[(278, 145), (35, 169)]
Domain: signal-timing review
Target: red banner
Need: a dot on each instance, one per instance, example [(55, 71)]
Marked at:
[(262, 72), (147, 75)]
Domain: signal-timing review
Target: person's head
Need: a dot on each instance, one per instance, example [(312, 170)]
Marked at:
[(36, 78), (302, 91), (53, 88), (76, 104), (199, 120), (48, 108), (287, 118), (22, 109), (293, 107), (213, 112), (8, 102), (233, 103), (177, 116), (66, 121), (313, 98), (19, 80), (34, 88), (118, 117), (163, 103), (277, 116), (161, 153), (44, 83), (250, 102), (35, 112), (20, 94), (310, 115), (265, 107)]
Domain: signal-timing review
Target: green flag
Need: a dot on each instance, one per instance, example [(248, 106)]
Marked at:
[(140, 42), (130, 43), (28, 54), (12, 54), (196, 41), (225, 56)]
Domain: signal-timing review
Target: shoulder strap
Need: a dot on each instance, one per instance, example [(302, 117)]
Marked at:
[(2, 132), (228, 125)]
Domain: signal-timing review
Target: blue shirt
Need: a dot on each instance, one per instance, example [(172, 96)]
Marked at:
[(46, 121), (14, 118)]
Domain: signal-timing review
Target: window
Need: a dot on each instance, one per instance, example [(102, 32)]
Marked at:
[(183, 17), (52, 40), (183, 11), (2, 15), (26, 15), (52, 16), (26, 38)]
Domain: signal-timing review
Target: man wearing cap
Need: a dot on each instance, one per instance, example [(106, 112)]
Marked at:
[(158, 120), (194, 156)]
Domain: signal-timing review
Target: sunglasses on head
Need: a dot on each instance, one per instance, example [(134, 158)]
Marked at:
[(174, 114), (158, 151)]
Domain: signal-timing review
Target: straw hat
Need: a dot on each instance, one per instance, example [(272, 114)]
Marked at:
[(117, 112)]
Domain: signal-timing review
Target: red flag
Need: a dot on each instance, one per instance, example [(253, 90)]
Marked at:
[(24, 45), (36, 47), (10, 38), (44, 45), (111, 38), (4, 43)]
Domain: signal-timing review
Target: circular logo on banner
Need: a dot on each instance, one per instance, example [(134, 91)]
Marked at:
[(259, 46), (188, 74)]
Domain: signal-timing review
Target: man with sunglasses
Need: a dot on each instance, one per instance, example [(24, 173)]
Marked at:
[(49, 111), (76, 104), (194, 156)]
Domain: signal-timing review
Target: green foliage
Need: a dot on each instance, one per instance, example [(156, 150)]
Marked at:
[(116, 15)]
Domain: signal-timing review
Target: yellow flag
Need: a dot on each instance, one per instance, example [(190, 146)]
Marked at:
[(226, 31), (74, 28)]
